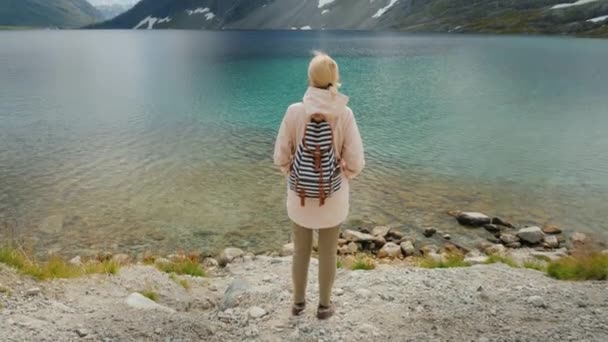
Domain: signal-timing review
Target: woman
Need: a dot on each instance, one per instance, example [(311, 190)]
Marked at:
[(319, 150)]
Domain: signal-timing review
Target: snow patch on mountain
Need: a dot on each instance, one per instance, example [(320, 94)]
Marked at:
[(323, 3), (388, 7), (598, 19), (578, 3), (324, 12), (151, 21), (199, 10)]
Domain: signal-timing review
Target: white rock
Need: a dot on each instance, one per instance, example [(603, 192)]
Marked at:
[(355, 236), (552, 241), (381, 231), (536, 301), (256, 312), (476, 260), (229, 254), (338, 291), (138, 301), (76, 261), (532, 235), (390, 250), (34, 291), (363, 293)]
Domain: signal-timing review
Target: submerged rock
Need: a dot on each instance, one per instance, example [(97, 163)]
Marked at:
[(473, 219), (390, 250), (501, 222), (551, 229), (492, 228), (578, 239), (531, 235), (429, 232)]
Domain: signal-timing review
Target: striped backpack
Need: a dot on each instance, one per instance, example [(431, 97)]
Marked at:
[(315, 171)]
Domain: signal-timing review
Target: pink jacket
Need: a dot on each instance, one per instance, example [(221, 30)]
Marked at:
[(348, 148)]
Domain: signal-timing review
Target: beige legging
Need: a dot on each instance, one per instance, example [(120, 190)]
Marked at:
[(328, 245)]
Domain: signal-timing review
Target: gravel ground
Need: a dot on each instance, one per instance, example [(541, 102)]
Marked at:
[(250, 301)]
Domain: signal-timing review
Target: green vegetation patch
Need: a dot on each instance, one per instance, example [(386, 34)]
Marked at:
[(591, 266), (185, 266), (55, 267), (450, 261)]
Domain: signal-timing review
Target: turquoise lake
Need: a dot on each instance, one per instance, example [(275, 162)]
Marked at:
[(120, 140)]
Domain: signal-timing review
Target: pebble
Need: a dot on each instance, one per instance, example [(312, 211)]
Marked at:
[(338, 291), (158, 331), (82, 332), (537, 301), (257, 312), (34, 291)]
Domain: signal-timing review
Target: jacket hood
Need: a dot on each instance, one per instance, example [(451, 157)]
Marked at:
[(321, 101)]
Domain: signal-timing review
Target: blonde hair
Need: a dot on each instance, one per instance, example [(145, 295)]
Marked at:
[(323, 72)]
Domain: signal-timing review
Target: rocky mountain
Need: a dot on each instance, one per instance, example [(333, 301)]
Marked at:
[(48, 13), (583, 17), (112, 10)]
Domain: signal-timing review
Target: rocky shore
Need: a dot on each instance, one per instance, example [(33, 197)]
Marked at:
[(249, 300), (244, 297)]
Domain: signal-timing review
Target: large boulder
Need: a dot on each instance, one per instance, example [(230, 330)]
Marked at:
[(390, 250), (473, 219), (531, 235)]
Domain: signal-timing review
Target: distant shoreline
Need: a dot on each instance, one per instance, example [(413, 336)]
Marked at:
[(413, 33)]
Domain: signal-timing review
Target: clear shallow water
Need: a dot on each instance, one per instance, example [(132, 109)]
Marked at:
[(162, 140)]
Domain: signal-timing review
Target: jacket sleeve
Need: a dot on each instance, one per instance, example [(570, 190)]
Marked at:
[(353, 159), (283, 148)]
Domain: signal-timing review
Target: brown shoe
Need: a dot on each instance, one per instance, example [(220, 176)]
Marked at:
[(325, 312), (298, 308)]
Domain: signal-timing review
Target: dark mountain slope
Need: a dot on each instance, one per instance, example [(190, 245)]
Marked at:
[(48, 13)]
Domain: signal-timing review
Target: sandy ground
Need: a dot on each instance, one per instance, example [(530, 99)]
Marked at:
[(391, 303)]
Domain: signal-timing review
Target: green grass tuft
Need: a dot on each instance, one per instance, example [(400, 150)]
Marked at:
[(185, 266), (363, 263), (495, 258), (535, 265), (592, 266), (150, 294), (55, 267), (339, 264), (452, 260)]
